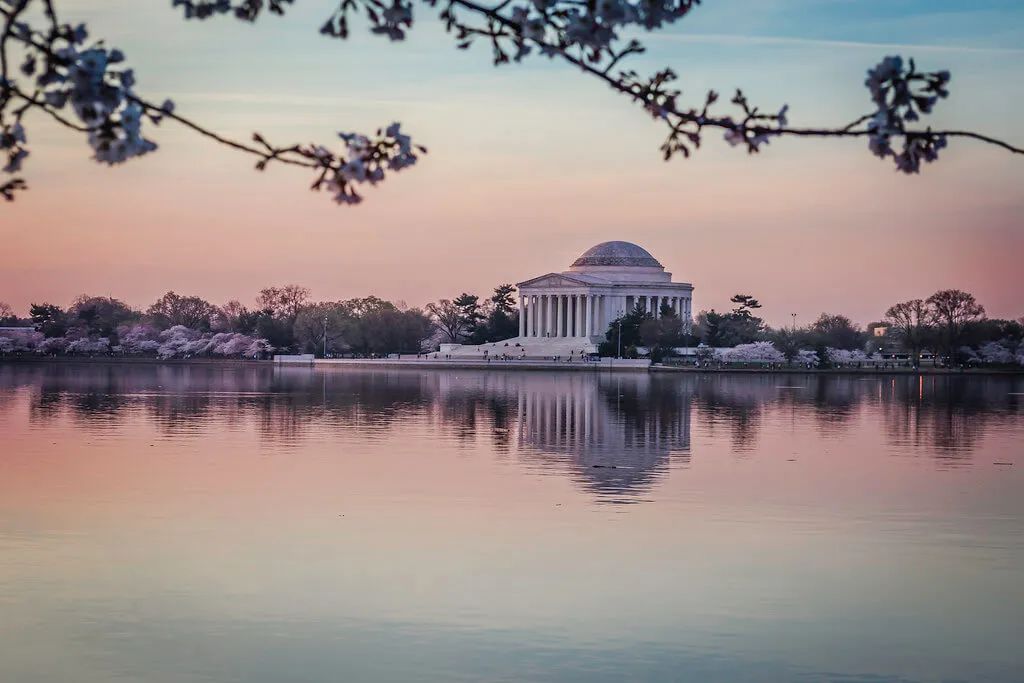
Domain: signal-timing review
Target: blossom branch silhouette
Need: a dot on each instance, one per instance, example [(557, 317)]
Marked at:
[(84, 88), (583, 33)]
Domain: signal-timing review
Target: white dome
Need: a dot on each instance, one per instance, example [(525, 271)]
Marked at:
[(617, 253)]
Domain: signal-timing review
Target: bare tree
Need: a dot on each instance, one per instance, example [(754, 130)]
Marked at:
[(909, 321), (81, 86), (173, 309), (284, 302), (449, 318), (950, 311), (321, 327), (228, 315)]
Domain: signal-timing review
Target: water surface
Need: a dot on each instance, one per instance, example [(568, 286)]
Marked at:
[(181, 524)]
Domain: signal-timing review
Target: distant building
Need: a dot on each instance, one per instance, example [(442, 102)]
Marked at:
[(607, 281), (570, 311)]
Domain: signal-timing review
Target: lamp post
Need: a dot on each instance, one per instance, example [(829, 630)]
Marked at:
[(794, 321), (325, 336)]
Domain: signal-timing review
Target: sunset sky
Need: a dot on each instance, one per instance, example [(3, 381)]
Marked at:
[(531, 164)]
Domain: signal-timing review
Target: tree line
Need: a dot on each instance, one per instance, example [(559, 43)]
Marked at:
[(950, 324), (284, 319)]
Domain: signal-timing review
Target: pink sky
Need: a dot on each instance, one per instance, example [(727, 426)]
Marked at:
[(529, 166)]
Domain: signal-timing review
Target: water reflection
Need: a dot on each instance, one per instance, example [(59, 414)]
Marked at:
[(616, 432), (196, 523), (614, 435)]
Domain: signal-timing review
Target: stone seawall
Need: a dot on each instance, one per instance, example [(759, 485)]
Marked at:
[(617, 365), (840, 371)]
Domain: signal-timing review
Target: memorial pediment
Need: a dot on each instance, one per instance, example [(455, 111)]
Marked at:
[(554, 281)]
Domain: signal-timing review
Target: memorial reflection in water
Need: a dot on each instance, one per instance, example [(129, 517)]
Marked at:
[(196, 523), (614, 434), (617, 432)]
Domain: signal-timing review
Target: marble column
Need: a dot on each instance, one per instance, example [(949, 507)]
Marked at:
[(576, 315), (552, 302), (534, 309), (529, 316), (544, 314), (526, 315), (586, 315), (568, 315), (588, 324), (579, 315), (566, 326), (522, 316)]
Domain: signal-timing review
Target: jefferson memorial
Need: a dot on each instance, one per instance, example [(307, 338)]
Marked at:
[(571, 311)]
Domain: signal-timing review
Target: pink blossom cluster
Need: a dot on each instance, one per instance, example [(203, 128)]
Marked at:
[(995, 353), (182, 342), (141, 339), (755, 352)]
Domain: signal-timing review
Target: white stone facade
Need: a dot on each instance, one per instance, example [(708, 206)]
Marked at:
[(565, 314), (607, 281)]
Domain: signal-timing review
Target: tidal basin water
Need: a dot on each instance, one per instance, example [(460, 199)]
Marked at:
[(180, 524)]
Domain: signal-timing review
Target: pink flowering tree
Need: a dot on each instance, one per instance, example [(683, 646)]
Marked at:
[(52, 345), (807, 358), (756, 352), (139, 339), (17, 341), (56, 68), (846, 357), (88, 345), (258, 348), (236, 345), (996, 353), (145, 340), (175, 341)]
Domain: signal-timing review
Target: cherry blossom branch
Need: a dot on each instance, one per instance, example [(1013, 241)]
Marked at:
[(891, 84), (68, 75), (584, 33), (266, 154)]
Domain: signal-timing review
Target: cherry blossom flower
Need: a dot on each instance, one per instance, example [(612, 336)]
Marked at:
[(61, 72)]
